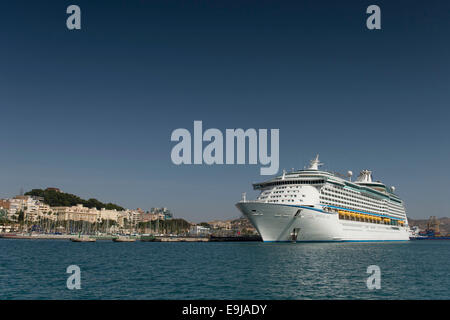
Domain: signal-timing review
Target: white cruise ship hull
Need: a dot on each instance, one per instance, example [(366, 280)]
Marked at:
[(284, 222)]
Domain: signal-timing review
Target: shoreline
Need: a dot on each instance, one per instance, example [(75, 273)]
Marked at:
[(138, 238)]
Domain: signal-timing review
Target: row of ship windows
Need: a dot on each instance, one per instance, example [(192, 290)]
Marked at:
[(288, 191), (333, 189), (356, 196), (351, 200), (396, 202), (343, 203), (395, 214), (271, 194), (277, 196), (348, 191), (350, 194), (349, 205), (277, 183), (370, 205)]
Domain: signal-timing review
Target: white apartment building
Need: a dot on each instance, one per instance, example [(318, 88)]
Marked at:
[(32, 207), (104, 214)]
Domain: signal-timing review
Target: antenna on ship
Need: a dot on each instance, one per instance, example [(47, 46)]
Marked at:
[(315, 163)]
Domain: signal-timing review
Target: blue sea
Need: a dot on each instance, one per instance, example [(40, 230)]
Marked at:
[(36, 269)]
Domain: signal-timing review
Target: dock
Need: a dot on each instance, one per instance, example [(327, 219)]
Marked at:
[(143, 238)]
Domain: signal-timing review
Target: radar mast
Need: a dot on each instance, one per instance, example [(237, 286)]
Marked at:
[(314, 164)]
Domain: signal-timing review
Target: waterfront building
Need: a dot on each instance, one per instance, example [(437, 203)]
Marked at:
[(133, 216), (218, 224), (35, 210), (4, 204), (199, 231), (161, 213), (105, 214), (32, 207), (76, 213)]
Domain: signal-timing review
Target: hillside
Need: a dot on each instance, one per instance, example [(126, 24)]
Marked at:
[(60, 199)]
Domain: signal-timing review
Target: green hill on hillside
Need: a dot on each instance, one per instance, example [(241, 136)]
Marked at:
[(60, 199)]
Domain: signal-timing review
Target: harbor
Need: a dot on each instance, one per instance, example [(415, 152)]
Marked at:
[(121, 238), (223, 270)]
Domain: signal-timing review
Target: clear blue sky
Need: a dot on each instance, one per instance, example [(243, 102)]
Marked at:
[(91, 111)]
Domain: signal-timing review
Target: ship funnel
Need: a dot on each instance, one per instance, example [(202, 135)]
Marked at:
[(365, 176)]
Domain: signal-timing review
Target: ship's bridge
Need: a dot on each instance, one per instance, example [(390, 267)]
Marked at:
[(311, 175)]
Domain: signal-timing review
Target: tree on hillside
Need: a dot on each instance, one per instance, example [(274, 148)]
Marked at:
[(60, 199), (21, 216)]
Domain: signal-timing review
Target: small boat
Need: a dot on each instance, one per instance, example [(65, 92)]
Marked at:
[(124, 239), (83, 239), (149, 239)]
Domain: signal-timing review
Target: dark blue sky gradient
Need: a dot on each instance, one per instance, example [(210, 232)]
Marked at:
[(91, 111)]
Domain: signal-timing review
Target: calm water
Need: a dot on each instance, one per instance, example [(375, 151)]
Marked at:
[(36, 269)]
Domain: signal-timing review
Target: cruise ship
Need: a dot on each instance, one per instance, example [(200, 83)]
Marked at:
[(314, 205)]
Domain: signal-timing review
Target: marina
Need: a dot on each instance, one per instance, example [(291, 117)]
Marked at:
[(116, 238)]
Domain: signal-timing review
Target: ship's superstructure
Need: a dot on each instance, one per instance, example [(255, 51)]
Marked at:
[(315, 205)]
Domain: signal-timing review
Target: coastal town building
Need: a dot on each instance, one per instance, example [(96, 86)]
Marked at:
[(161, 213), (4, 204), (199, 231), (33, 209), (133, 216), (76, 213), (105, 214), (218, 224)]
